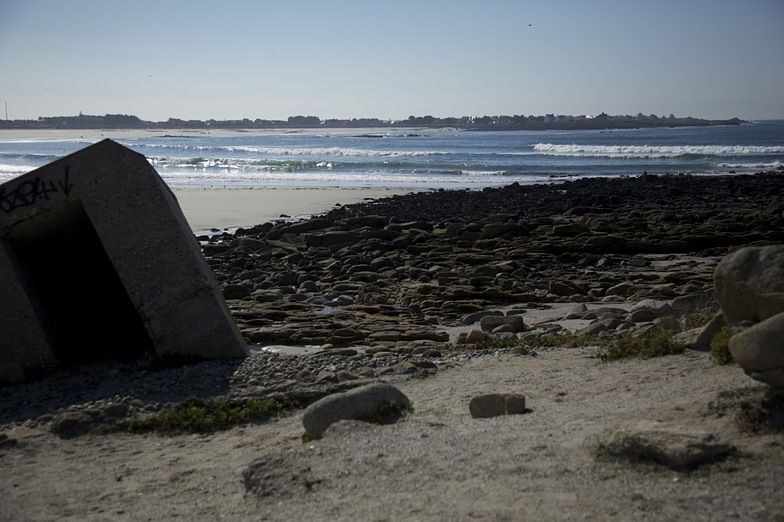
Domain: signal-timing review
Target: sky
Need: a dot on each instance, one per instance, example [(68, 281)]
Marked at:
[(271, 59)]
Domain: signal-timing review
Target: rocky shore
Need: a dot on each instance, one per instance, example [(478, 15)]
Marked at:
[(431, 283), (406, 284)]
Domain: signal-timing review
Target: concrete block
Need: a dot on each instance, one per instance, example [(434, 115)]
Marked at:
[(98, 263)]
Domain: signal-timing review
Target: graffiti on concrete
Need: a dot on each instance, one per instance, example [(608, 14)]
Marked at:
[(30, 191)]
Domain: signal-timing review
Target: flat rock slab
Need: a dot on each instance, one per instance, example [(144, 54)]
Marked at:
[(357, 404), (673, 446)]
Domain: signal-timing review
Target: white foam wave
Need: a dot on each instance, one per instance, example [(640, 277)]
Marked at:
[(11, 171), (650, 151), (297, 151), (49, 140), (326, 177), (753, 166), (484, 173)]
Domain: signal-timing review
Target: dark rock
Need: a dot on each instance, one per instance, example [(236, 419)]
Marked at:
[(71, 423), (234, 291), (476, 316), (490, 323)]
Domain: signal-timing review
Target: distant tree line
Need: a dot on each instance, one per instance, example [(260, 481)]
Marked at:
[(518, 122)]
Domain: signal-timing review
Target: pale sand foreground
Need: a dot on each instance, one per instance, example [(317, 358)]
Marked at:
[(437, 464), (206, 209)]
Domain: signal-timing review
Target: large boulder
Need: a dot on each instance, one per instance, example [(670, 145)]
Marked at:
[(760, 350), (750, 288), (750, 283)]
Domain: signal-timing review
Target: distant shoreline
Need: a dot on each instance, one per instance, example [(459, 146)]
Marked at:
[(92, 135), (122, 122)]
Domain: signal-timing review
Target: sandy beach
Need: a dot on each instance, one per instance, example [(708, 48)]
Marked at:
[(406, 298), (208, 209)]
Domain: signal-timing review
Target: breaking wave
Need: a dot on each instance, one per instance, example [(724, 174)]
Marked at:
[(652, 152), (296, 151)]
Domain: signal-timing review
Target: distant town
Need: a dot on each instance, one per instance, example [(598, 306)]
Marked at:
[(483, 123)]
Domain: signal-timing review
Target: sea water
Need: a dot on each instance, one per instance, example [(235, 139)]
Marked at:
[(427, 158)]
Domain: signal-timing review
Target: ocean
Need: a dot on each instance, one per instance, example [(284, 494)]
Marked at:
[(425, 158)]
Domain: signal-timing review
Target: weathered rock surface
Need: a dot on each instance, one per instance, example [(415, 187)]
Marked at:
[(358, 404), (700, 338), (673, 446), (760, 350), (750, 283), (750, 288), (496, 404)]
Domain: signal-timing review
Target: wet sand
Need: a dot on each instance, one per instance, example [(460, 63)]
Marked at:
[(207, 209)]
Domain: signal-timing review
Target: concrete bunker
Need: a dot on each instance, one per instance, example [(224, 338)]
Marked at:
[(99, 264)]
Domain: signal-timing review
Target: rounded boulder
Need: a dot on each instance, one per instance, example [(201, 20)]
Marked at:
[(358, 404)]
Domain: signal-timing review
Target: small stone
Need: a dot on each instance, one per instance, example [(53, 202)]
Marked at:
[(405, 368), (387, 335), (475, 336), (45, 418), (366, 371), (641, 316), (700, 338), (345, 375), (326, 376), (342, 352), (6, 441), (71, 423), (514, 323), (116, 411), (495, 404), (621, 289), (303, 375)]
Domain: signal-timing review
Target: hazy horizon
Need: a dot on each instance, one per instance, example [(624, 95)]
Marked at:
[(349, 59), (403, 120)]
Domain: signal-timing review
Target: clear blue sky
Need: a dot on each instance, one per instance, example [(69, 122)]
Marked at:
[(272, 59)]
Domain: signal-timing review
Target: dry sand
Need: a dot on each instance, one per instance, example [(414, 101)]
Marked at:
[(438, 463)]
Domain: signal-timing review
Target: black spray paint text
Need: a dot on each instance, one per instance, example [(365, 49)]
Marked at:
[(30, 191)]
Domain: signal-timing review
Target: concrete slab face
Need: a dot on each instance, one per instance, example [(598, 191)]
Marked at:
[(98, 262)]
